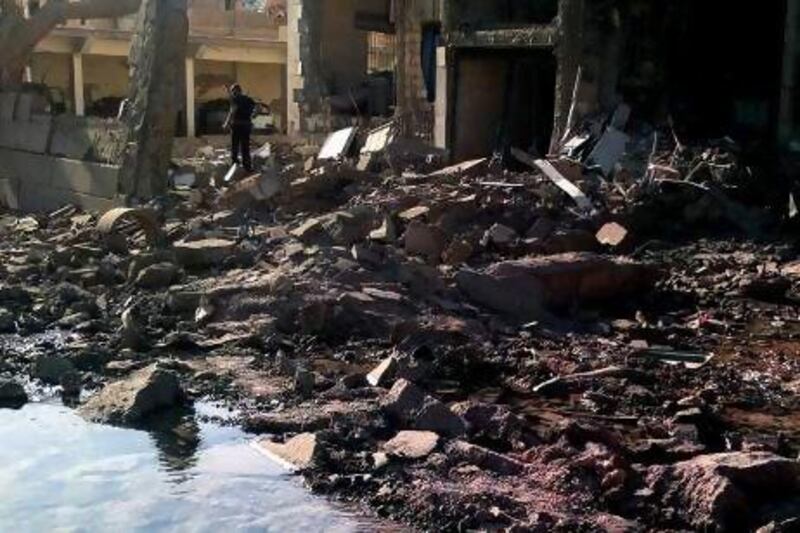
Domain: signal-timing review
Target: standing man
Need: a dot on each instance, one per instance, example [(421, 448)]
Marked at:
[(240, 122)]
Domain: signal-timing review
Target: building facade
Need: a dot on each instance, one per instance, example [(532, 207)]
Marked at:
[(85, 63)]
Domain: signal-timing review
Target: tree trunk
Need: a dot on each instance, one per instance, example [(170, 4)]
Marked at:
[(19, 36), (157, 59)]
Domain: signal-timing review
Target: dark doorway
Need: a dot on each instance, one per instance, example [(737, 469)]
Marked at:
[(714, 66), (503, 98)]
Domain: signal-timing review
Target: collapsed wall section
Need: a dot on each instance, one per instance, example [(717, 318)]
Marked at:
[(47, 161)]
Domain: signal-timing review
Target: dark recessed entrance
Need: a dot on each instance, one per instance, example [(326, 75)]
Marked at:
[(503, 98)]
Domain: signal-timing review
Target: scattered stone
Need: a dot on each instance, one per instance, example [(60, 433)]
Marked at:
[(612, 234), (203, 253), (132, 332), (458, 252), (8, 322), (570, 241), (720, 492), (525, 288), (541, 229), (415, 213), (130, 401), (157, 276), (12, 394), (366, 255), (403, 400), (485, 458), (51, 369), (297, 453), (412, 444), (346, 228), (71, 384), (436, 416), (385, 373), (379, 460), (387, 233), (424, 240), (413, 408), (310, 232), (499, 235), (14, 294), (304, 383)]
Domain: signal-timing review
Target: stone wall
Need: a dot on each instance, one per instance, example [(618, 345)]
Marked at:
[(47, 162), (327, 55)]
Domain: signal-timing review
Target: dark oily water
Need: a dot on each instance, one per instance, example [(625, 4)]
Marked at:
[(60, 473)]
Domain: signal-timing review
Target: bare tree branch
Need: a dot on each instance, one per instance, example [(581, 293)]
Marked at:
[(19, 36)]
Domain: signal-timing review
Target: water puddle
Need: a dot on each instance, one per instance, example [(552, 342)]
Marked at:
[(60, 473)]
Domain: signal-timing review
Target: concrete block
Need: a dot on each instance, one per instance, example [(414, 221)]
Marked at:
[(85, 138), (8, 102), (70, 139), (22, 113), (32, 135), (9, 193), (86, 178), (7, 136), (33, 168), (34, 199)]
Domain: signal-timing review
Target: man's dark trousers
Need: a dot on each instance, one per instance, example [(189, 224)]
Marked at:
[(240, 144)]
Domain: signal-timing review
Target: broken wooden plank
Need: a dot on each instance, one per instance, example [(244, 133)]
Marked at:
[(556, 177), (464, 169)]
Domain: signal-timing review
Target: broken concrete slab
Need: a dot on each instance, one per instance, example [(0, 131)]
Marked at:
[(203, 253), (412, 444), (158, 276), (720, 492), (337, 145), (403, 399), (378, 139), (385, 373), (556, 177), (469, 168), (414, 213), (435, 416), (527, 287), (256, 188), (499, 235), (413, 408), (481, 457), (609, 149), (297, 453)]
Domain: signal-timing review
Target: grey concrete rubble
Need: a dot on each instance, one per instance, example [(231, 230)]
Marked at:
[(521, 287), (132, 400)]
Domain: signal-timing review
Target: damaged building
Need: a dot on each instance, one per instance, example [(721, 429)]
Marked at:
[(664, 59), (516, 265), (84, 64), (478, 77)]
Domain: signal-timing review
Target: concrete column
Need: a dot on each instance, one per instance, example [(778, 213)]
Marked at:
[(191, 129), (77, 81)]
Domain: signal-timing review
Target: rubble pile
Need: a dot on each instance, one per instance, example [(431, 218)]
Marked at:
[(472, 347)]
